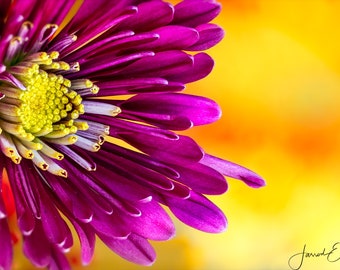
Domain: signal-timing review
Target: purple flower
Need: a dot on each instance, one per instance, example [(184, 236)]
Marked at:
[(71, 98)]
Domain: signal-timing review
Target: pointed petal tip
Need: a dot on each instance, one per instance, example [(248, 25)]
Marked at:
[(204, 215), (149, 263), (253, 180), (233, 170)]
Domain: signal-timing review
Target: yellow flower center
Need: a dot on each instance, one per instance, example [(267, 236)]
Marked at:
[(39, 111), (40, 106), (47, 101), (46, 106)]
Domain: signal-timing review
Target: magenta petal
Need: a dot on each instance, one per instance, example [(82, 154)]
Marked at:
[(196, 12), (110, 225), (199, 110), (101, 63), (87, 240), (6, 254), (54, 226), (117, 184), (162, 64), (198, 212), (113, 15), (26, 218), (69, 195), (209, 36), (184, 149), (10, 79), (202, 179), (184, 37), (135, 248), (36, 247), (144, 160), (137, 85), (203, 64), (150, 15), (26, 221), (154, 223), (233, 170), (179, 191), (5, 4), (59, 261)]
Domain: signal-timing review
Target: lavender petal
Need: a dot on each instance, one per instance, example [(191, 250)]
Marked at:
[(233, 170), (203, 214)]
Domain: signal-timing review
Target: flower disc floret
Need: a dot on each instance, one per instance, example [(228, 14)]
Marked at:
[(47, 104), (40, 104), (44, 102)]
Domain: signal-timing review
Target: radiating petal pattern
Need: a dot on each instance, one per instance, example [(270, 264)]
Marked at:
[(71, 98)]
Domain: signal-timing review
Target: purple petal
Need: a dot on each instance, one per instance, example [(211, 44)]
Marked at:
[(195, 12), (164, 122), (17, 13), (171, 37), (142, 159), (199, 110), (162, 64), (35, 12), (26, 218), (119, 185), (137, 85), (110, 225), (54, 226), (59, 261), (36, 247), (150, 15), (203, 64), (179, 191), (155, 142), (198, 212), (135, 248), (113, 15), (92, 47), (87, 240), (202, 179), (96, 66), (6, 254), (126, 171), (79, 156), (154, 223), (68, 194), (233, 170), (5, 4), (95, 194), (89, 10), (182, 150), (10, 79), (209, 36)]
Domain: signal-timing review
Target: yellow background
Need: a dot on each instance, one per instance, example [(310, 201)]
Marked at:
[(277, 79)]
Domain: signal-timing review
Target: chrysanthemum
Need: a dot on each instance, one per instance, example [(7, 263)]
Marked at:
[(113, 73)]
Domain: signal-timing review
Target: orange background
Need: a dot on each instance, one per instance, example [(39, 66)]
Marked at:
[(277, 79)]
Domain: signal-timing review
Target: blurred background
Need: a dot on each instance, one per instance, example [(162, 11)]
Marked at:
[(277, 79)]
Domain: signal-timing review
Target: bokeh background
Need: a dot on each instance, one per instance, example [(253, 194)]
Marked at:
[(277, 79)]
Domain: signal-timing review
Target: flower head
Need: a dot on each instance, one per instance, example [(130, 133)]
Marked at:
[(72, 97)]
